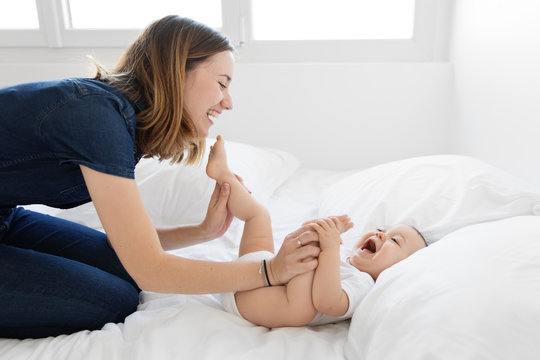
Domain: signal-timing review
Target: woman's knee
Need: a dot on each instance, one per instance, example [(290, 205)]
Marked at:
[(112, 301), (127, 302), (54, 292)]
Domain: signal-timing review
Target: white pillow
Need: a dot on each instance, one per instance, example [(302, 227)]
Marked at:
[(178, 195), (472, 295), (437, 194)]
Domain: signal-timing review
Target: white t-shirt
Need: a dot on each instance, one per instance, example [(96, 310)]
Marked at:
[(355, 283)]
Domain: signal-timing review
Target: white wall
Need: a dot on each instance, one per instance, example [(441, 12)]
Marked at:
[(19, 65), (342, 116), (496, 55)]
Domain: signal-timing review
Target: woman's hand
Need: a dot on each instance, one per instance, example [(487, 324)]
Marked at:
[(297, 255), (218, 217)]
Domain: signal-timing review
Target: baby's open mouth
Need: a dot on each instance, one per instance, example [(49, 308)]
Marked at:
[(369, 247)]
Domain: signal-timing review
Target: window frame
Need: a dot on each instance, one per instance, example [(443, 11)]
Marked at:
[(429, 41)]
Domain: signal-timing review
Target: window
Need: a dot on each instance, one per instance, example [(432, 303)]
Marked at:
[(98, 23), (84, 14), (332, 20), (262, 30), (340, 30), (21, 14)]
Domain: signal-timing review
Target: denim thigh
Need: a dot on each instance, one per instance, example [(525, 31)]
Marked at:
[(58, 277)]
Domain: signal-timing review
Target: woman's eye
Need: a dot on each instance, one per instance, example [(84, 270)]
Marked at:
[(379, 230), (222, 85)]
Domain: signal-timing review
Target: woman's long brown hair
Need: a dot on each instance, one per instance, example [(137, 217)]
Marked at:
[(153, 70)]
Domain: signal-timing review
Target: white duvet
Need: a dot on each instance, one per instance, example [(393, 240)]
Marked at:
[(472, 294)]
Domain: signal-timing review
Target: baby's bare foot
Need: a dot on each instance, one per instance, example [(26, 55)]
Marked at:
[(217, 167)]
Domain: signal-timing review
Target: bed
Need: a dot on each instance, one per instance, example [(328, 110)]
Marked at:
[(472, 294)]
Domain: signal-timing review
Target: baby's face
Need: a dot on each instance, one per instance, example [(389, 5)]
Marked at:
[(381, 248)]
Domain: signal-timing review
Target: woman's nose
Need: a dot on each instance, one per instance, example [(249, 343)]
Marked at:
[(226, 102)]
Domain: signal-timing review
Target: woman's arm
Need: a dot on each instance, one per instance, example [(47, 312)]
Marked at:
[(136, 242), (328, 295), (217, 221), (215, 224), (181, 237)]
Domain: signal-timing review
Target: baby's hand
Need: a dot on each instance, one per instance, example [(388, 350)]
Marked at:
[(328, 231)]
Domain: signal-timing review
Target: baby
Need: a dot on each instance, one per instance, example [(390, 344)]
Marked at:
[(327, 294)]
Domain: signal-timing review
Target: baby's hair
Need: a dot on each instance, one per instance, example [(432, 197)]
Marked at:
[(419, 233)]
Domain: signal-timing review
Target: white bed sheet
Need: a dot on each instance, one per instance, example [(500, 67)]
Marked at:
[(195, 326)]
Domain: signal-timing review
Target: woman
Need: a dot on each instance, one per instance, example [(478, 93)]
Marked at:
[(67, 142)]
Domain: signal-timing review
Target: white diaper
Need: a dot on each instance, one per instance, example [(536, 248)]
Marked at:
[(227, 299)]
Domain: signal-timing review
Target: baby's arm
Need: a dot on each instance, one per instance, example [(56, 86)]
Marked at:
[(328, 295)]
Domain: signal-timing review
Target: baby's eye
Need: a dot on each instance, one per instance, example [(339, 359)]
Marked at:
[(394, 240)]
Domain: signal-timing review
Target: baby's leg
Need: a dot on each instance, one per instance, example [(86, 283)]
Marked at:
[(289, 305), (274, 306), (279, 306), (241, 203), (257, 235)]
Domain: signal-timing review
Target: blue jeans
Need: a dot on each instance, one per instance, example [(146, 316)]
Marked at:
[(58, 277)]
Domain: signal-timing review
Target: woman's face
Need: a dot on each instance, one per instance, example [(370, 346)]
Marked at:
[(206, 93)]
